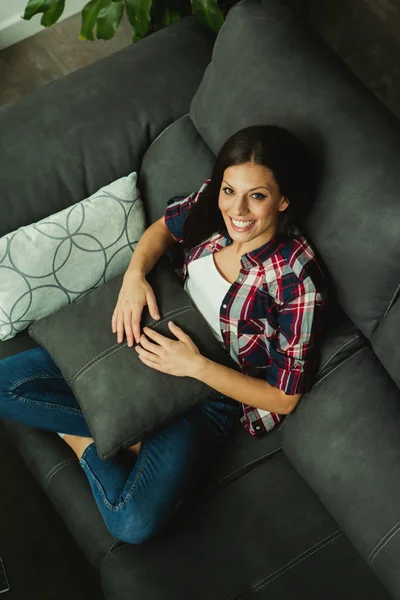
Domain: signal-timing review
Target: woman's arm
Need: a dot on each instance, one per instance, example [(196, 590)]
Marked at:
[(154, 242), (244, 388)]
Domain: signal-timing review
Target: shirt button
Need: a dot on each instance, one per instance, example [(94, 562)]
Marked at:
[(224, 306), (241, 278), (258, 427)]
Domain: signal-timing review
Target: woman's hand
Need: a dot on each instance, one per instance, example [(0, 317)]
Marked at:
[(181, 358), (134, 295)]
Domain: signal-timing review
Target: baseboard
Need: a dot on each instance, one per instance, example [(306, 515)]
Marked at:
[(15, 28)]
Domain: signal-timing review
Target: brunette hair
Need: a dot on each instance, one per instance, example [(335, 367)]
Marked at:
[(271, 146)]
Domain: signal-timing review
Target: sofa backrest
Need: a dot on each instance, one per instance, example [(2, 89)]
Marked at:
[(267, 68), (66, 140)]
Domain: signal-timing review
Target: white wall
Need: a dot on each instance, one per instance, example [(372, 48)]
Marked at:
[(13, 28)]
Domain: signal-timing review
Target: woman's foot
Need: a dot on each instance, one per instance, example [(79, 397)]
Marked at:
[(135, 448), (77, 443)]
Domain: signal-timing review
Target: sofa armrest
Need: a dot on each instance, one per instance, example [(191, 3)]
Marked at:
[(64, 141)]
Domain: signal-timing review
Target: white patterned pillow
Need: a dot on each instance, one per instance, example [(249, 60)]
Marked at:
[(63, 257)]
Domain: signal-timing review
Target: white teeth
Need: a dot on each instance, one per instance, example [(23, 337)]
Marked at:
[(242, 224)]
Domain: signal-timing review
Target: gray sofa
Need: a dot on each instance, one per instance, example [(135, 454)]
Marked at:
[(312, 508)]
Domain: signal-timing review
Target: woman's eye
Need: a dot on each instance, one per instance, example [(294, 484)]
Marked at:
[(260, 196), (227, 188)]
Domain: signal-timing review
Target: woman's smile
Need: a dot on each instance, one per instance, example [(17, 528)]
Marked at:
[(241, 225)]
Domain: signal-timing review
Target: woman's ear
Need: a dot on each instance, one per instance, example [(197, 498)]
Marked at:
[(283, 204)]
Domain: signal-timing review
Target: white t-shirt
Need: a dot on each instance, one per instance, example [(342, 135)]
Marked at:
[(207, 288)]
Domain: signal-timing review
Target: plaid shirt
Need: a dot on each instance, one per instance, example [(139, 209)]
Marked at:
[(272, 316)]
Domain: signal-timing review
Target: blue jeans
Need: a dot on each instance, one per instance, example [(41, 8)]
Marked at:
[(136, 495)]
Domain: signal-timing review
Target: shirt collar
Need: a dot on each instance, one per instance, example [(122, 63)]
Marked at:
[(255, 257)]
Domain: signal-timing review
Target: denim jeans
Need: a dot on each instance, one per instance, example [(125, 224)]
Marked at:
[(136, 495)]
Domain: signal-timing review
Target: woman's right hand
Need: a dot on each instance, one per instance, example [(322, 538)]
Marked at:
[(134, 295)]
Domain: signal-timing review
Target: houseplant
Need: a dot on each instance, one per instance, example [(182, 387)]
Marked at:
[(101, 18)]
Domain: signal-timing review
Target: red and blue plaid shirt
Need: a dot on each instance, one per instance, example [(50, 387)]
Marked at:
[(272, 316)]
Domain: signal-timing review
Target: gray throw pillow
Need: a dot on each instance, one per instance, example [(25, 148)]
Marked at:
[(122, 398), (59, 259)]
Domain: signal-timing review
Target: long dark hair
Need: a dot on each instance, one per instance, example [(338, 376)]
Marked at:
[(271, 146)]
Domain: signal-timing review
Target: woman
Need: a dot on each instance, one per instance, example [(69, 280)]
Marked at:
[(255, 279)]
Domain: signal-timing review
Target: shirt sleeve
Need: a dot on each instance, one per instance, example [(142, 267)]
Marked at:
[(177, 210), (295, 353)]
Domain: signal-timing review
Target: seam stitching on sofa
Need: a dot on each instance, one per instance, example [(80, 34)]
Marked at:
[(109, 351), (119, 345), (381, 544), (389, 305), (324, 377), (340, 365), (248, 464), (337, 352), (316, 548), (55, 470), (290, 565), (166, 129), (113, 545)]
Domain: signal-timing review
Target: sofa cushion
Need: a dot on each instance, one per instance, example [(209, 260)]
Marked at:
[(123, 399), (266, 535), (57, 470), (93, 126), (176, 164), (269, 69), (63, 257), (343, 438), (385, 341)]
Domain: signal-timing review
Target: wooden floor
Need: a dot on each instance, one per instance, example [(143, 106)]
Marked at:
[(364, 33)]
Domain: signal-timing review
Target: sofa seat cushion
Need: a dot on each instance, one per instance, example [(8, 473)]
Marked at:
[(265, 535), (56, 468), (385, 341), (343, 438)]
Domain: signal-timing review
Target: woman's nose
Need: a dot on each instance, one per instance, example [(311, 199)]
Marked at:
[(240, 207)]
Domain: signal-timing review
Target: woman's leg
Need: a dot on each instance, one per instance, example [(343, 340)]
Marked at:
[(34, 392), (137, 500)]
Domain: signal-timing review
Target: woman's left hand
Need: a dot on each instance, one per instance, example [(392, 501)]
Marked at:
[(181, 358)]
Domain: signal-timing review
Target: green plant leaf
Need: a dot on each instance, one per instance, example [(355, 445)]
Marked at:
[(139, 16), (89, 18), (166, 12), (109, 19), (208, 12), (53, 13), (36, 6)]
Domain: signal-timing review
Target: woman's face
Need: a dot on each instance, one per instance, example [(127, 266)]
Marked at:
[(249, 196)]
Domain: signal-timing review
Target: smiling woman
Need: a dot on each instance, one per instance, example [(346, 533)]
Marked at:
[(256, 281)]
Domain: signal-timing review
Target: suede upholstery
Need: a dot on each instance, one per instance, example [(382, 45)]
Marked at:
[(123, 400), (311, 509)]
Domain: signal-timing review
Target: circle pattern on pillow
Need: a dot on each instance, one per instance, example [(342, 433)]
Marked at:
[(63, 257)]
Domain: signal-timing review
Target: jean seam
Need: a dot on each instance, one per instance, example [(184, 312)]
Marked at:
[(138, 476), (67, 409), (33, 377), (120, 505)]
